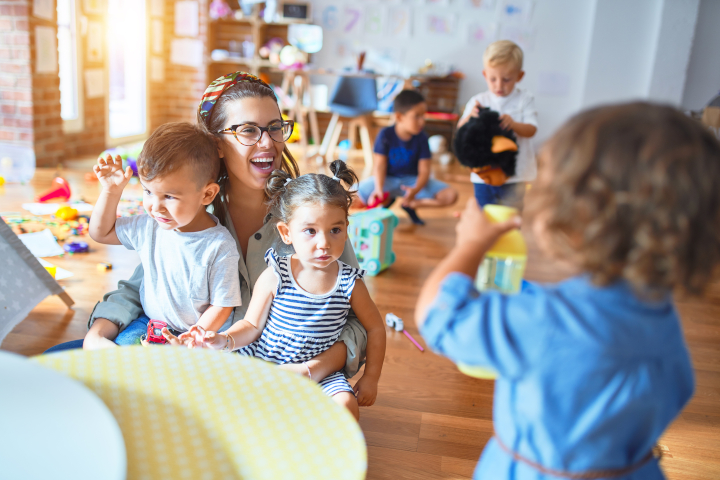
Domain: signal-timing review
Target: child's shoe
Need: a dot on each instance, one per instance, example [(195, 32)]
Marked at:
[(413, 215)]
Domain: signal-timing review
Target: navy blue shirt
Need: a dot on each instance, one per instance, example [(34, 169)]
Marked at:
[(403, 157)]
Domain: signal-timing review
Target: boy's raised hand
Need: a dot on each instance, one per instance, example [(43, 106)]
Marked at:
[(110, 173), (476, 231), (506, 122)]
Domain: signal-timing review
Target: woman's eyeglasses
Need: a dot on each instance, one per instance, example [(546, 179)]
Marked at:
[(248, 134)]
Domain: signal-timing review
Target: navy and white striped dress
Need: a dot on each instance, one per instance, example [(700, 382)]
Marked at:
[(302, 325)]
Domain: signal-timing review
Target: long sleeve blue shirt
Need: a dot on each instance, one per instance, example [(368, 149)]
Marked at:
[(588, 377)]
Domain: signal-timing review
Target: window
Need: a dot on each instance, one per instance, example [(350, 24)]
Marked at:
[(69, 67), (127, 58)]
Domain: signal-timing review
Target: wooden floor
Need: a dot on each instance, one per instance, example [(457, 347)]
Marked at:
[(430, 421)]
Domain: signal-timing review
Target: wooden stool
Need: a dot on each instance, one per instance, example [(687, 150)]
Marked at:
[(332, 135)]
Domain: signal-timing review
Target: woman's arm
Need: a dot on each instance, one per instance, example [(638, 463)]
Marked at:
[(368, 314), (101, 335)]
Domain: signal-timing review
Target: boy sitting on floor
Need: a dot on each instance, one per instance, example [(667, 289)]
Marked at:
[(402, 162)]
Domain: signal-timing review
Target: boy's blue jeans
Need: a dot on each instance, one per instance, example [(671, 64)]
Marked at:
[(510, 194), (132, 333)]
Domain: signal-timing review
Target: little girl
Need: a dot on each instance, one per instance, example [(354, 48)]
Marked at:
[(593, 369), (300, 303)]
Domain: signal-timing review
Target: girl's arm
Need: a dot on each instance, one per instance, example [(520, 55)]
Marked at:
[(475, 235), (368, 314), (102, 222), (250, 328)]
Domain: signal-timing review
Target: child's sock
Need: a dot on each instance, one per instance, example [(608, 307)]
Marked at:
[(413, 216)]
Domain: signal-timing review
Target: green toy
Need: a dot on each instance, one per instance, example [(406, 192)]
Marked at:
[(371, 234), (128, 153)]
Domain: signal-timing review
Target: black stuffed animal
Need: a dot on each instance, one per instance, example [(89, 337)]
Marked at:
[(487, 149)]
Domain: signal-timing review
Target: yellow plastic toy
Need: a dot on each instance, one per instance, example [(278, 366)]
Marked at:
[(2, 181), (502, 269), (66, 213)]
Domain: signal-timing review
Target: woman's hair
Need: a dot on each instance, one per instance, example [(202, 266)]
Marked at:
[(216, 122), (632, 192), (284, 196)]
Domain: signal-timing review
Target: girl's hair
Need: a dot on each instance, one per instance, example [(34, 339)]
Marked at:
[(216, 121), (313, 188), (632, 192)]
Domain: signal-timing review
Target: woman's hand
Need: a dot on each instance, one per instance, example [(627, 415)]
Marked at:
[(110, 173), (366, 391)]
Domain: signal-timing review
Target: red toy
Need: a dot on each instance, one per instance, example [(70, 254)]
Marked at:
[(60, 189), (154, 331), (379, 201)]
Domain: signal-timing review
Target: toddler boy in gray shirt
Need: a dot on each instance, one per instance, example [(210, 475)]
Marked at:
[(190, 261)]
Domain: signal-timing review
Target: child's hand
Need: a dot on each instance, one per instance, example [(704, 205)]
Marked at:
[(375, 197), (476, 231), (193, 338), (214, 340), (110, 173), (506, 122), (409, 196), (476, 109), (366, 391)]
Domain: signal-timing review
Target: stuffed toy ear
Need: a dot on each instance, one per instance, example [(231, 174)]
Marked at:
[(477, 144)]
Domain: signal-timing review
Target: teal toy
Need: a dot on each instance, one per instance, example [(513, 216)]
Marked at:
[(371, 234)]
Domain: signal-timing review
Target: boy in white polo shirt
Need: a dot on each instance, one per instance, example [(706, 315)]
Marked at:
[(503, 61)]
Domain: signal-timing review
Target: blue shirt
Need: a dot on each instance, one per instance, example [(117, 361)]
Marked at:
[(403, 157), (589, 377)]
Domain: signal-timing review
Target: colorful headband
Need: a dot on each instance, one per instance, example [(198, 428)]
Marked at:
[(218, 87)]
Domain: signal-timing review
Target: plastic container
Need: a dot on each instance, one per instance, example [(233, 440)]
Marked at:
[(17, 163), (502, 269), (504, 264)]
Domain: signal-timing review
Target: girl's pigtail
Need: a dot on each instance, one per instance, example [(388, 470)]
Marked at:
[(275, 187), (343, 172)]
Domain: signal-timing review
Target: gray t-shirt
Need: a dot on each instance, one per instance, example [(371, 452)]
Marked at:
[(184, 272)]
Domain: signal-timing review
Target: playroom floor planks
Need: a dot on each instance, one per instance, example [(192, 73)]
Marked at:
[(430, 421)]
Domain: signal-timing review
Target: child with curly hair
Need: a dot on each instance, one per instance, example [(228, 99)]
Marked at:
[(593, 369)]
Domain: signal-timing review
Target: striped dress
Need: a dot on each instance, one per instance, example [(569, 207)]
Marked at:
[(302, 325)]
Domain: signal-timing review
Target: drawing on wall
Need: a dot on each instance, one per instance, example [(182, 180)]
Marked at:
[(46, 59), (374, 19), (441, 24), (488, 5), (94, 82), (187, 19), (157, 69), (517, 11), (44, 9), (523, 36), (479, 33), (95, 42), (329, 18), (352, 19), (399, 21), (156, 36)]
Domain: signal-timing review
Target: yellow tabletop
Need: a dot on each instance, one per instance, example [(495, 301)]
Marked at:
[(203, 414)]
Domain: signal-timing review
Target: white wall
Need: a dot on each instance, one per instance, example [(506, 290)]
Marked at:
[(581, 52), (703, 74)]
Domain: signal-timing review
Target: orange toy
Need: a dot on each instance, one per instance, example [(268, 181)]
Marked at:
[(60, 189)]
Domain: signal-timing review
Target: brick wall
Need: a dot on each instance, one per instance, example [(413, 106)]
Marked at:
[(15, 76), (30, 101)]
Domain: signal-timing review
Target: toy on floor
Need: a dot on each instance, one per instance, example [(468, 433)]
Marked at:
[(488, 150), (371, 234), (393, 321), (379, 201), (76, 247), (104, 266), (66, 213), (60, 189)]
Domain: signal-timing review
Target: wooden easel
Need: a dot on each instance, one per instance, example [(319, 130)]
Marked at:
[(299, 80)]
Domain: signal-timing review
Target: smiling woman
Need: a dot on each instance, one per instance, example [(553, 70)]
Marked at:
[(232, 101)]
